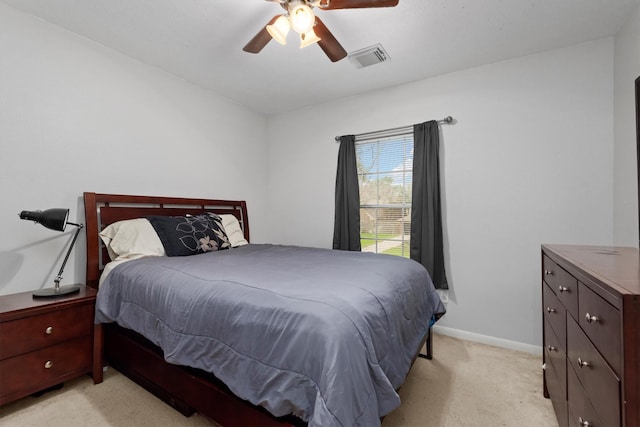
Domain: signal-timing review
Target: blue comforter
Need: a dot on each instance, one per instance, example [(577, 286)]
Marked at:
[(325, 335)]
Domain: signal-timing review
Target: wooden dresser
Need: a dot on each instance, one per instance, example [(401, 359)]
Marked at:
[(45, 342), (591, 334)]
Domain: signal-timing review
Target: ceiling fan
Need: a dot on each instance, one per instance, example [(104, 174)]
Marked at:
[(299, 16)]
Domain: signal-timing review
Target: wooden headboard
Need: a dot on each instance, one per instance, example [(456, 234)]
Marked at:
[(103, 209)]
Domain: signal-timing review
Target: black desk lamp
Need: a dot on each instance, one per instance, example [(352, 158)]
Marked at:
[(54, 219)]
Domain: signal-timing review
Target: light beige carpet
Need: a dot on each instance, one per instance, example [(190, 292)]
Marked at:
[(466, 384)]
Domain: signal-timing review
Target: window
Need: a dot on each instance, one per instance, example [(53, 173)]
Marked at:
[(384, 177)]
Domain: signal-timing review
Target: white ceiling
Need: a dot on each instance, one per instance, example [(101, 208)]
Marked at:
[(202, 40)]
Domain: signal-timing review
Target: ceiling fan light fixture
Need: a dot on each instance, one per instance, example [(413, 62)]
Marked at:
[(279, 29), (302, 18), (308, 38)]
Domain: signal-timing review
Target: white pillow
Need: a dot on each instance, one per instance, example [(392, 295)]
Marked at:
[(132, 238), (232, 229)]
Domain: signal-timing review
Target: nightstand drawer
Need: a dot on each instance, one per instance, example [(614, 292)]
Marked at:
[(35, 332), (563, 284), (28, 373)]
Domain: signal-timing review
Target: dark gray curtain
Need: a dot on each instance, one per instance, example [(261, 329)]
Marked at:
[(346, 227), (426, 215)]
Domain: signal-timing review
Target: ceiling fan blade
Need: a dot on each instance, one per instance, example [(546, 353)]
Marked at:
[(331, 47), (356, 4), (261, 39)]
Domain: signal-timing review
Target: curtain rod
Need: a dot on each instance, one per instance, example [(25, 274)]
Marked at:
[(402, 130)]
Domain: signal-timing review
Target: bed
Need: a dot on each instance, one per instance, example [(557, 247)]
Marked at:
[(315, 336)]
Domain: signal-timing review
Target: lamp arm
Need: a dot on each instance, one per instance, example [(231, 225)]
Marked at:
[(66, 258)]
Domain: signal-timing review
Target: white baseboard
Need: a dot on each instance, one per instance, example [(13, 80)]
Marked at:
[(486, 339)]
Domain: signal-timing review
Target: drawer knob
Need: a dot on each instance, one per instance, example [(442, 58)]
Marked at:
[(48, 364), (583, 423), (582, 363), (548, 272), (49, 330), (563, 289), (551, 348), (590, 318), (551, 310)]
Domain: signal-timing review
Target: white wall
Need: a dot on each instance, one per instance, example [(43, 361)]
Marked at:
[(627, 69), (529, 161), (76, 116)]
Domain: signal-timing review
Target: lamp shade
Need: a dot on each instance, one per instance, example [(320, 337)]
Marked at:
[(302, 18), (54, 219), (280, 29), (308, 38)]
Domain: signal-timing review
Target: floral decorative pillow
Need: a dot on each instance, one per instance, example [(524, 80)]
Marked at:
[(190, 234)]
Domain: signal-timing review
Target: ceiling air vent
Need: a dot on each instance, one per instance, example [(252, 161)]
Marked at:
[(369, 56)]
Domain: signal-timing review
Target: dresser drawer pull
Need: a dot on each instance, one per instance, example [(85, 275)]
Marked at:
[(48, 364), (563, 289), (548, 272), (49, 330), (551, 310), (582, 363), (583, 423), (591, 318), (551, 348)]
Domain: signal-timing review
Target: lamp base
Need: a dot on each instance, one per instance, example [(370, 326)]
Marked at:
[(53, 292)]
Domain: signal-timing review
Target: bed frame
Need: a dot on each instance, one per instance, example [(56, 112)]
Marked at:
[(186, 389)]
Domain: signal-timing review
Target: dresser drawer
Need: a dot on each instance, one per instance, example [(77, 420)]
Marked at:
[(563, 284), (557, 388), (601, 322), (599, 381), (555, 357), (31, 333), (43, 368), (580, 409), (555, 316)]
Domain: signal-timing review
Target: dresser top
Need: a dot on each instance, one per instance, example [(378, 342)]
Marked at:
[(615, 266)]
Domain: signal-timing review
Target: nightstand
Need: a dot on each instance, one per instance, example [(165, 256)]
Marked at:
[(45, 342)]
